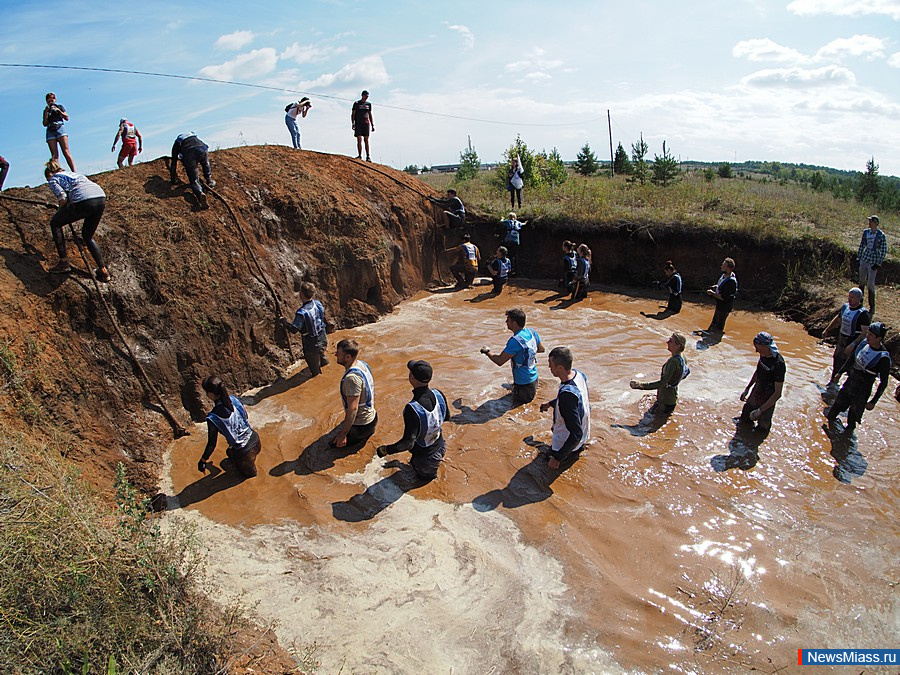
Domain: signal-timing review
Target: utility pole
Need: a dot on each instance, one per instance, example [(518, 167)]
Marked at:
[(612, 160)]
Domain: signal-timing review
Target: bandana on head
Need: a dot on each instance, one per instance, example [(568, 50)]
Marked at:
[(766, 339)]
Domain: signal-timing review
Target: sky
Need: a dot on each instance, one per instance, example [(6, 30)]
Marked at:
[(805, 81)]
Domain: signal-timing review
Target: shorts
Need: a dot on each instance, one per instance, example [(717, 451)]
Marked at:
[(129, 149), (56, 131), (361, 130)]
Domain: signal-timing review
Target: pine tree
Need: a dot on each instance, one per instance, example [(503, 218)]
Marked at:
[(639, 168), (724, 170), (553, 169), (621, 165), (586, 161), (869, 185), (469, 164), (665, 168)]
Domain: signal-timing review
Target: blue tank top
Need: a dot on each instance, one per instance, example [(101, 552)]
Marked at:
[(430, 421), (235, 428), (361, 368)]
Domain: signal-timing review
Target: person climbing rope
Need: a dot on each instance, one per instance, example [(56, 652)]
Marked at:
[(79, 198), (309, 321)]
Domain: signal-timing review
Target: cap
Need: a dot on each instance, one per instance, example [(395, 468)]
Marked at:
[(856, 290), (878, 329), (421, 370), (875, 218)]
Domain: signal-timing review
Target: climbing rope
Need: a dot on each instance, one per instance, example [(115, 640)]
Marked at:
[(249, 251)]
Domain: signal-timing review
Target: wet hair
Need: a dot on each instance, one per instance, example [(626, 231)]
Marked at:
[(561, 356), (729, 263), (350, 347), (584, 251), (308, 290), (451, 191), (51, 168), (516, 315), (503, 251), (214, 385), (467, 237), (669, 267), (680, 340)]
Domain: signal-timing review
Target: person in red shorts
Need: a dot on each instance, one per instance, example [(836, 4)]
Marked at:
[(132, 143)]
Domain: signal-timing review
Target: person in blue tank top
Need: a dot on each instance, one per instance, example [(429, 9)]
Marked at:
[(520, 352), (569, 265), (512, 229), (423, 418), (723, 292), (309, 321), (582, 273), (357, 396), (871, 361), (571, 409), (229, 418), (853, 321), (499, 268)]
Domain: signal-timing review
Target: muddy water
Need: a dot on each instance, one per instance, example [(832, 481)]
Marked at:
[(662, 547)]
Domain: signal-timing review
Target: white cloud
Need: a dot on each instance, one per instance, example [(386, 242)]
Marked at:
[(894, 61), (890, 8), (535, 65), (235, 40), (537, 76), (244, 66), (309, 53), (858, 45), (467, 35), (367, 72), (764, 49), (800, 78)]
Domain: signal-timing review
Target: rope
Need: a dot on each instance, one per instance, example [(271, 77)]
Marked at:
[(28, 201), (144, 378), (249, 251)]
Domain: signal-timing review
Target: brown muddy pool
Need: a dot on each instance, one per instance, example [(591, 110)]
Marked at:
[(662, 547)]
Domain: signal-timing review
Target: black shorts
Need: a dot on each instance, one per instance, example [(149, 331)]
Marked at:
[(361, 130), (524, 393), (455, 219)]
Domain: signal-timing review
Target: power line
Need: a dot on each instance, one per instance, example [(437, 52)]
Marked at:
[(198, 78)]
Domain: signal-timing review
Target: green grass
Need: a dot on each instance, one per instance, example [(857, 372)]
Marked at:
[(761, 208)]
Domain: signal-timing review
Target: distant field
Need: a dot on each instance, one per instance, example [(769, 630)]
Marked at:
[(751, 204)]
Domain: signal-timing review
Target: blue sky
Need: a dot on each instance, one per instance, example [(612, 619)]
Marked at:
[(812, 81)]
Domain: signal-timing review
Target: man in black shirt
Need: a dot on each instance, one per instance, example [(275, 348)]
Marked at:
[(454, 211), (193, 153), (870, 361), (422, 420), (723, 292), (767, 383), (362, 123)]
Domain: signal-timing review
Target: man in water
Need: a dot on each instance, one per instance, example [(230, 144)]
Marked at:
[(723, 292), (571, 409), (357, 395), (520, 351), (511, 235), (466, 266), (854, 320), (362, 123), (309, 321), (499, 268), (767, 384), (870, 361), (423, 417)]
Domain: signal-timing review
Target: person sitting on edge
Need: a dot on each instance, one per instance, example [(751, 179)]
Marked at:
[(767, 383), (674, 370), (871, 360), (132, 142), (723, 292), (78, 198), (454, 214), (871, 253), (357, 395), (511, 237), (193, 153), (465, 268), (854, 320), (571, 409), (569, 264), (229, 417), (499, 269), (520, 351), (309, 321), (582, 273), (422, 420)]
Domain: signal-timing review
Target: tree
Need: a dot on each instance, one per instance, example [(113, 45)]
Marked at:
[(586, 161), (724, 170), (518, 149), (551, 168), (411, 169), (869, 186), (469, 164), (621, 165), (639, 168), (665, 168), (709, 174)]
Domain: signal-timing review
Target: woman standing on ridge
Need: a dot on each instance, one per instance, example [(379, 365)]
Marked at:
[(515, 182), (78, 198), (229, 417), (55, 118)]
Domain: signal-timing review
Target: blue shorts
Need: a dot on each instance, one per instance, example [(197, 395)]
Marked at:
[(55, 132)]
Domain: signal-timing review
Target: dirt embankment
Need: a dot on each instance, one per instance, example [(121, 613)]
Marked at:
[(187, 291)]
